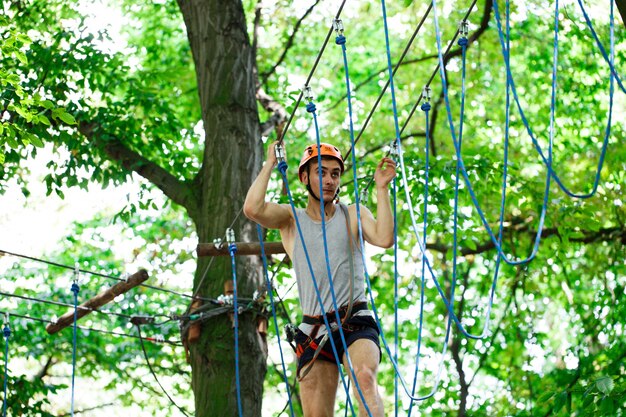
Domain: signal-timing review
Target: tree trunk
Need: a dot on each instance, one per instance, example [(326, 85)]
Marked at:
[(224, 63)]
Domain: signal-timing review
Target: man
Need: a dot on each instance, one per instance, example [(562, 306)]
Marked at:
[(317, 368)]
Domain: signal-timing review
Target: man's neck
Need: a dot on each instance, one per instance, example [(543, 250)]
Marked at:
[(313, 209)]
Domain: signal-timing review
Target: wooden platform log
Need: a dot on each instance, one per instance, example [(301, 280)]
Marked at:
[(243, 248), (98, 301)]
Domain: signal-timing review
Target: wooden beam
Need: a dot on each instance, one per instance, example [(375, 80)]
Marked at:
[(243, 248), (98, 301)]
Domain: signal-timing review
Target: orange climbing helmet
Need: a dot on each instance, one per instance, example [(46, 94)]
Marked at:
[(310, 152)]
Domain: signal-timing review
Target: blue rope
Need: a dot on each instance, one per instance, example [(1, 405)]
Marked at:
[(463, 170), (75, 289), (282, 168), (395, 293), (325, 241), (6, 331), (357, 199), (232, 249), (271, 293), (557, 179), (610, 60)]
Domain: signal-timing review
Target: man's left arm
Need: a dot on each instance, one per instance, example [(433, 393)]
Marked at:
[(379, 231)]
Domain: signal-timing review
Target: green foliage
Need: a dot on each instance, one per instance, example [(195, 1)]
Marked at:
[(556, 343), (25, 111)]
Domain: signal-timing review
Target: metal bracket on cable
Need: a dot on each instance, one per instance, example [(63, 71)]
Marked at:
[(464, 28), (393, 150), (279, 151), (307, 93), (426, 94), (338, 26), (364, 197), (230, 239), (218, 243)]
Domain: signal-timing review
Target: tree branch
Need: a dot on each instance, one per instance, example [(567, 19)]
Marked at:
[(602, 235), (178, 191), (279, 114), (265, 75), (84, 410)]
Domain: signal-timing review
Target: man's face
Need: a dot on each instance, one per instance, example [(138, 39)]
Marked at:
[(331, 174)]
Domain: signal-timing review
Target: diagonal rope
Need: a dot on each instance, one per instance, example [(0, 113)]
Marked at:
[(308, 79)]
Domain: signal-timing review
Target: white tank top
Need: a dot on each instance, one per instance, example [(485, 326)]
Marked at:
[(339, 259)]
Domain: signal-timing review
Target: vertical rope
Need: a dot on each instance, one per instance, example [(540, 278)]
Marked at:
[(75, 289), (311, 109), (394, 197), (271, 293), (282, 168), (6, 331), (232, 249)]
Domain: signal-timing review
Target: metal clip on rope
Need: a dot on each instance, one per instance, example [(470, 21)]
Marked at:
[(426, 95), (393, 150), (230, 239), (308, 95), (463, 32), (279, 151), (75, 288), (338, 26), (6, 331)]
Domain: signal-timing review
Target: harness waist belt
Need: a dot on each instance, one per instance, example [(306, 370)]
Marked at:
[(332, 316)]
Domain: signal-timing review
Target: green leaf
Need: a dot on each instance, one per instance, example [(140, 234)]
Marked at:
[(559, 402), (67, 118), (607, 406), (605, 385), (36, 141), (43, 120), (21, 57), (588, 400)]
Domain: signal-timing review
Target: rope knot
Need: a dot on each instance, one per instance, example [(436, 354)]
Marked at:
[(232, 248), (6, 332), (310, 107), (426, 106), (282, 167), (340, 40), (75, 288), (463, 42)]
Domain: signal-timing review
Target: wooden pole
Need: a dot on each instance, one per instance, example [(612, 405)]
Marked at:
[(98, 301), (243, 248)]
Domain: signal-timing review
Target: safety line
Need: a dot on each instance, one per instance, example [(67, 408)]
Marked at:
[(555, 176), (61, 304), (6, 332), (421, 96), (271, 294), (398, 64), (97, 274), (75, 289), (610, 60), (232, 249), (91, 329), (339, 40), (208, 267), (282, 168), (145, 354), (396, 295), (308, 80)]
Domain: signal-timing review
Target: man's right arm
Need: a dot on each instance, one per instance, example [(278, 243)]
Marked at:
[(267, 214)]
